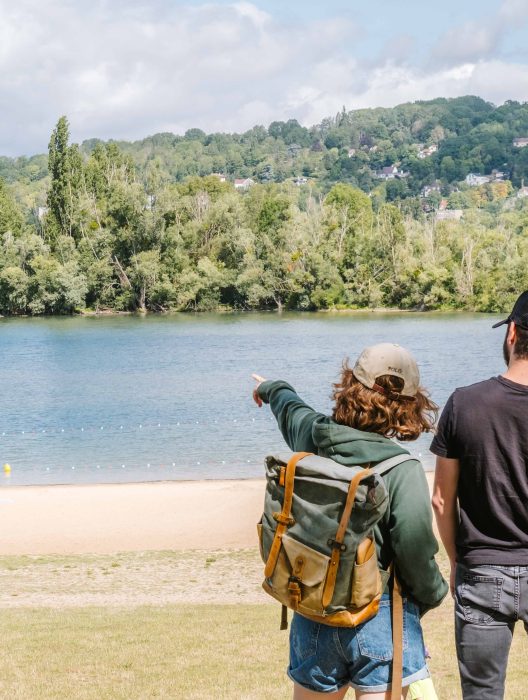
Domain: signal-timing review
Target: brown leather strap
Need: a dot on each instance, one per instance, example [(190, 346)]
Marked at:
[(284, 618), (331, 577), (397, 638), (283, 518), (294, 594)]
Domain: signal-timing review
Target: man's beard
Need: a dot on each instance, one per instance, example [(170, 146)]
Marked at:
[(506, 349)]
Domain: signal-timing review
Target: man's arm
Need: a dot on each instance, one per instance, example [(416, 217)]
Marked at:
[(445, 506)]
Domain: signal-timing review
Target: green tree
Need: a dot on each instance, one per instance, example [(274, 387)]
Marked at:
[(66, 170)]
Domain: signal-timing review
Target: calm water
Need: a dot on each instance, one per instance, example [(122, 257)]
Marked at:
[(169, 397)]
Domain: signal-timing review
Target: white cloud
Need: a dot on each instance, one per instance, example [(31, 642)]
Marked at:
[(126, 69), (468, 42), (392, 84), (480, 39)]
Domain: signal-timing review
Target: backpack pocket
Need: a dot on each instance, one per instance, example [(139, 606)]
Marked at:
[(366, 579), (299, 576)]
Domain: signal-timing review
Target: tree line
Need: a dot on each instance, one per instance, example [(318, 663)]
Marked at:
[(112, 238)]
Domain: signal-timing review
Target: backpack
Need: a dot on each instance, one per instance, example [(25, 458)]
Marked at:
[(316, 537)]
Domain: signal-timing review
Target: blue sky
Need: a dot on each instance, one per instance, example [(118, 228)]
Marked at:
[(130, 68)]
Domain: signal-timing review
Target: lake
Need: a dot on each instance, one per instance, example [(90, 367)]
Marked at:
[(126, 398)]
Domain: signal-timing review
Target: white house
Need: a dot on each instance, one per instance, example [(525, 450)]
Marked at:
[(244, 183), (220, 176), (390, 172), (300, 181), (475, 179), (426, 152), (520, 142), (429, 189)]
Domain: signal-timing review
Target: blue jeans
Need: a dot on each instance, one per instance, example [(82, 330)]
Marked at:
[(488, 602), (324, 658)]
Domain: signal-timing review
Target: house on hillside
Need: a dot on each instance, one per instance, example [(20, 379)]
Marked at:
[(426, 152), (220, 176), (429, 189), (476, 179), (499, 175), (298, 181), (449, 215), (390, 172), (244, 183), (520, 142)]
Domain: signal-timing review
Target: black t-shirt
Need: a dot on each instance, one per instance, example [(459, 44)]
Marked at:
[(485, 427)]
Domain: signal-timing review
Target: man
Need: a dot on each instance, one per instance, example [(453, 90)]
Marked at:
[(480, 498)]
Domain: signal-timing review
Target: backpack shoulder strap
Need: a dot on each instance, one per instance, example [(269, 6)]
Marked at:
[(387, 464)]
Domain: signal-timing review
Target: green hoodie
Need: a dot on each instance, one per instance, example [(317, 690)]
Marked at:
[(405, 533)]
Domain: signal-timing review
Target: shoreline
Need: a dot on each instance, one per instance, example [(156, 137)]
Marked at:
[(7, 487), (146, 516), (234, 312)]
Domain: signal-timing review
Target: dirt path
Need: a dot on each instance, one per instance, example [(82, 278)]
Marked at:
[(132, 579)]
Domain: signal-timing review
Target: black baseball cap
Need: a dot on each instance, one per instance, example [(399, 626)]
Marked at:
[(519, 314)]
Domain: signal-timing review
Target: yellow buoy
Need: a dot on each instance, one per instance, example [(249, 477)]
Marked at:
[(7, 469)]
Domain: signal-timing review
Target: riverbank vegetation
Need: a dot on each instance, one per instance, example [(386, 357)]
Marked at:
[(311, 221)]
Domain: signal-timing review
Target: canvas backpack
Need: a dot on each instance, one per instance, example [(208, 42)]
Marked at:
[(317, 541)]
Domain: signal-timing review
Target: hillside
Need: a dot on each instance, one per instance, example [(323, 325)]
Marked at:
[(436, 143), (422, 206)]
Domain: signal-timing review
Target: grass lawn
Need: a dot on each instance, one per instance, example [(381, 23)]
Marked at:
[(208, 651), (131, 627)]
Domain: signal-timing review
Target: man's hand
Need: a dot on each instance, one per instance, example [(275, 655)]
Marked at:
[(256, 397)]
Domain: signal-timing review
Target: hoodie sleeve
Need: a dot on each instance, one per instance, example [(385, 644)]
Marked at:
[(414, 545), (294, 417)]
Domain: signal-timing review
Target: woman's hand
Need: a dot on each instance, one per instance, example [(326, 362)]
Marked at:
[(256, 397)]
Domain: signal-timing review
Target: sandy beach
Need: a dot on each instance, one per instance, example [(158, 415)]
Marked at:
[(107, 518)]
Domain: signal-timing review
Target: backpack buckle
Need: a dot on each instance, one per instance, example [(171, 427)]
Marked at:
[(284, 519), (334, 544)]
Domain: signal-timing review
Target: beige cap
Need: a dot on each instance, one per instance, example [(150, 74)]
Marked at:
[(388, 358)]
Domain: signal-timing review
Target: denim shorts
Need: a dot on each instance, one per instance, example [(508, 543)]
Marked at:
[(324, 658)]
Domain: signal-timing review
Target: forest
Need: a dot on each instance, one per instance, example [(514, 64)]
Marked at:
[(369, 209)]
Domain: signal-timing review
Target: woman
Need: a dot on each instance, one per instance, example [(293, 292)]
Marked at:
[(379, 399)]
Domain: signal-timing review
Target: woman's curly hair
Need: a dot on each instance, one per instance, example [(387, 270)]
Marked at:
[(388, 414)]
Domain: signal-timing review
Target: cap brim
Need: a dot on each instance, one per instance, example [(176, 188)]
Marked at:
[(501, 323)]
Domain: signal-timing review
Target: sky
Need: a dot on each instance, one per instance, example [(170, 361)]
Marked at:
[(126, 69)]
